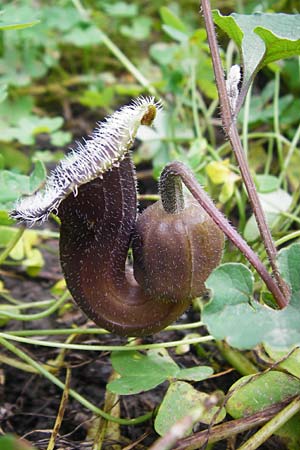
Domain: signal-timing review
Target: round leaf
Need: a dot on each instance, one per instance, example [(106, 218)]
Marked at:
[(234, 315), (180, 399), (141, 372)]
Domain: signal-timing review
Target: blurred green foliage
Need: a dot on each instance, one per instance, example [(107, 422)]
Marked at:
[(62, 68)]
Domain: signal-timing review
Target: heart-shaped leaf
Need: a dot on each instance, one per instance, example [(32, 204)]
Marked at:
[(142, 372), (234, 315), (262, 38), (180, 399), (14, 185)]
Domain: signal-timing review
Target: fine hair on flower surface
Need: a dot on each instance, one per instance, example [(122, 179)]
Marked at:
[(91, 158)]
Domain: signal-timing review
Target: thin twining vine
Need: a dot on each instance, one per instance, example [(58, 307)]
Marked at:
[(96, 331), (106, 348), (86, 403), (26, 317)]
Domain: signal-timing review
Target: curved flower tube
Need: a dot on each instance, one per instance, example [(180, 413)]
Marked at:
[(93, 191)]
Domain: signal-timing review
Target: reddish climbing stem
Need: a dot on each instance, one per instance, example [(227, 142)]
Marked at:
[(230, 128)]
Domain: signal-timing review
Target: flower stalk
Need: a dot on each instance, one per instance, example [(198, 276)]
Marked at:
[(176, 170)]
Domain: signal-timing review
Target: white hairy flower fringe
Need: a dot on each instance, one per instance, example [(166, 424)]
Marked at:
[(108, 145)]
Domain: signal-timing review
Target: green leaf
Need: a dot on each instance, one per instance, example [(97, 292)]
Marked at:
[(121, 9), (10, 442), (195, 373), (52, 16), (262, 108), (34, 261), (180, 399), (97, 99), (261, 38), (59, 287), (251, 394), (234, 315), (17, 26), (83, 37), (195, 152), (290, 361), (125, 363), (45, 124), (141, 372), (139, 30), (266, 183), (60, 138), (163, 53), (290, 433), (173, 26), (273, 203), (171, 20), (6, 235), (281, 34), (3, 92), (175, 34), (12, 111), (288, 261), (227, 191), (4, 217), (24, 252), (18, 123), (135, 384), (14, 158), (37, 177), (14, 185)]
